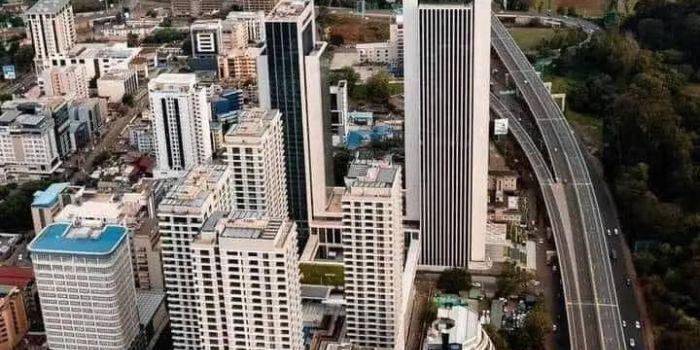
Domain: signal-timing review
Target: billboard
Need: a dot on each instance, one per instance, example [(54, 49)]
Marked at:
[(8, 72), (500, 126)]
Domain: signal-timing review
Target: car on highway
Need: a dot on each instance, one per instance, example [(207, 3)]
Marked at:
[(632, 344), (628, 282), (637, 325), (609, 232), (616, 231), (624, 323)]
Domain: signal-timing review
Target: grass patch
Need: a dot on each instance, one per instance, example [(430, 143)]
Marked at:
[(328, 275), (589, 124), (395, 88), (692, 90), (528, 38)]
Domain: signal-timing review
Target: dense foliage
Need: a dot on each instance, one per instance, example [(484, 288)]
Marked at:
[(15, 203), (637, 80), (454, 280)]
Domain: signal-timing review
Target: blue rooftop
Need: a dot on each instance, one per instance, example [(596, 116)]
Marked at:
[(48, 196), (65, 238)]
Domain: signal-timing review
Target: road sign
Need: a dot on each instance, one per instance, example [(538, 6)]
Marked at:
[(500, 126), (9, 72)]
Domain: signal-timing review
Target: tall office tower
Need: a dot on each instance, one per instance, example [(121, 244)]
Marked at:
[(258, 5), (447, 116), (373, 248), (246, 272), (255, 151), (291, 78), (181, 117), (206, 37), (195, 7), (51, 25), (396, 42), (86, 285), (181, 214)]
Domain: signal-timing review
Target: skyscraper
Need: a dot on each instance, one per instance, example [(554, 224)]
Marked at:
[(255, 152), (373, 255), (51, 25), (291, 78), (86, 285), (447, 47), (181, 117), (181, 215), (246, 272)]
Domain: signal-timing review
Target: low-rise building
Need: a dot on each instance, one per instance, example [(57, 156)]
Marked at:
[(141, 137), (70, 81), (241, 64), (14, 323), (457, 327), (382, 53), (503, 180), (117, 83)]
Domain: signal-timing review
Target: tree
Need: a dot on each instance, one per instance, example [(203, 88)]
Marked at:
[(128, 100), (513, 281), (538, 323), (651, 32), (497, 338), (132, 40), (341, 162), (377, 88), (454, 280), (166, 22), (152, 13), (349, 75), (336, 39)]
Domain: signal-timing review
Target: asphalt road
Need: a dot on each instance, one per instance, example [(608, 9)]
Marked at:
[(590, 293)]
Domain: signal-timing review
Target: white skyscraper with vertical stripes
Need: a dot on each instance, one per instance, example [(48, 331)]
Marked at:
[(447, 52)]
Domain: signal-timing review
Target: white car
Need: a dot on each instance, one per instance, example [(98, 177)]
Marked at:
[(637, 324), (624, 323), (609, 232), (617, 232), (632, 344)]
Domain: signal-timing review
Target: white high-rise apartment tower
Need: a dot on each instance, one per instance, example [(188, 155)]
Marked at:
[(181, 215), (255, 152), (51, 25), (246, 272), (181, 117), (373, 255), (86, 285), (447, 48)]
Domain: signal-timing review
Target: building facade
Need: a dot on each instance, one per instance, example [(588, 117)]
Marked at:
[(373, 255), (446, 131), (206, 38), (68, 81), (181, 115), (28, 146), (181, 215), (396, 42), (258, 5), (116, 84), (260, 309), (86, 286), (251, 21), (254, 148), (13, 317), (51, 26), (339, 112), (291, 79)]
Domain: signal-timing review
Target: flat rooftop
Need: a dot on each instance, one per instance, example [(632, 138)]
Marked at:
[(49, 196), (118, 74), (252, 123), (195, 187), (288, 9), (70, 238), (206, 24), (189, 79), (251, 225), (371, 174), (47, 7), (104, 50)]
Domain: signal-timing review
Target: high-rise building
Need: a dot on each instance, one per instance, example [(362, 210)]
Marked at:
[(258, 5), (181, 115), (396, 42), (91, 302), (51, 25), (373, 255), (291, 78), (206, 37), (246, 273), (28, 146), (181, 214), (251, 21), (255, 152), (447, 116), (339, 112), (195, 7), (68, 81)]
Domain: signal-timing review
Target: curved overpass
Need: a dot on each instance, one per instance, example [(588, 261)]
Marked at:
[(591, 302)]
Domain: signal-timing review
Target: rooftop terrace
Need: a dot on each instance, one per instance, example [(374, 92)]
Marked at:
[(288, 9), (74, 238), (47, 7)]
